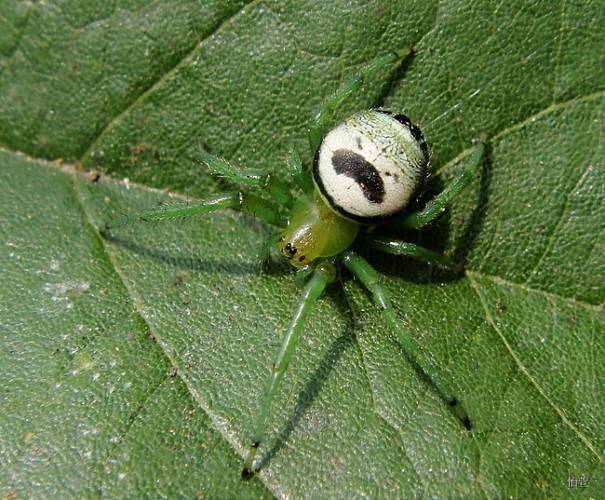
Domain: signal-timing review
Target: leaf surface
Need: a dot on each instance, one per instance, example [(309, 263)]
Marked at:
[(134, 366)]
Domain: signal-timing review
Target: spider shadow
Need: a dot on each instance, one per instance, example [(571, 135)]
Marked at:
[(234, 266), (317, 380), (477, 218), (372, 94), (397, 76), (437, 234), (430, 383)]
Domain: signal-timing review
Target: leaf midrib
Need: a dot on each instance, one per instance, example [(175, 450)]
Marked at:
[(173, 361)]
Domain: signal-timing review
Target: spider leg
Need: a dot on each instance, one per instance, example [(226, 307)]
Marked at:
[(399, 247), (433, 208), (299, 175), (236, 200), (322, 119), (370, 279), (323, 274), (269, 252), (278, 190)]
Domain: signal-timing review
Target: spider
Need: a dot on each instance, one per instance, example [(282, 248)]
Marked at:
[(365, 173)]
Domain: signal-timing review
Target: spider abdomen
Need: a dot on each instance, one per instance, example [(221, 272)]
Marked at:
[(369, 167)]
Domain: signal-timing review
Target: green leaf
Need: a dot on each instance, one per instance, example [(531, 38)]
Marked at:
[(89, 407), (133, 367)]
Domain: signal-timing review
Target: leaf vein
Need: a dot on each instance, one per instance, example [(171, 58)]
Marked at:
[(19, 39), (551, 238), (519, 125), (164, 77), (557, 61), (219, 425), (385, 419), (497, 280), (528, 375)]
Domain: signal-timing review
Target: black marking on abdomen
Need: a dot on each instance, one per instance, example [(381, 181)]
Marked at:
[(361, 171)]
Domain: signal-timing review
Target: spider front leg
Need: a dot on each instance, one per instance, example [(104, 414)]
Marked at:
[(251, 178), (323, 274), (433, 208), (370, 279), (237, 200), (322, 119), (300, 176)]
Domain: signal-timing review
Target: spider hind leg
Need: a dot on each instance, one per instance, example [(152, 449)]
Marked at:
[(436, 206), (368, 276)]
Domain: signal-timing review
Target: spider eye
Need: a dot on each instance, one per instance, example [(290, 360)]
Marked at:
[(289, 250), (369, 167)]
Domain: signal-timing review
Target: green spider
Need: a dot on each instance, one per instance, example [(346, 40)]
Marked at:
[(365, 172)]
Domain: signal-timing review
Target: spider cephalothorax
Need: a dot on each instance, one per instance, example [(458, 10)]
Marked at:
[(366, 171)]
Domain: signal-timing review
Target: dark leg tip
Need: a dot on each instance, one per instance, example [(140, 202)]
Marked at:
[(247, 473), (460, 413), (104, 232), (467, 423)]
